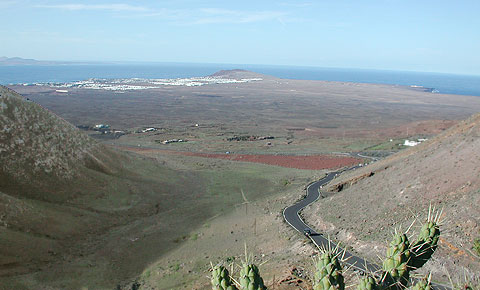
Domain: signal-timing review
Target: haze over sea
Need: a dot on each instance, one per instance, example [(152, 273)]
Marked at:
[(442, 83)]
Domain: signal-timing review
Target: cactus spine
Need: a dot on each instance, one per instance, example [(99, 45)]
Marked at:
[(397, 272), (423, 284), (250, 278), (402, 257), (221, 279), (368, 283), (426, 244), (328, 275)]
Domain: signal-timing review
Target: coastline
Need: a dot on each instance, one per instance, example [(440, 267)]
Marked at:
[(66, 73)]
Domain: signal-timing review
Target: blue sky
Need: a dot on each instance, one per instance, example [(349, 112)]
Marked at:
[(438, 36)]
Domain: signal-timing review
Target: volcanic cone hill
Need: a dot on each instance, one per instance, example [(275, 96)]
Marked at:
[(240, 74), (67, 201), (443, 171)]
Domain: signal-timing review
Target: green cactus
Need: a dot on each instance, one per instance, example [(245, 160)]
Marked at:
[(328, 275), (368, 283), (250, 278), (397, 272), (402, 257), (426, 244), (221, 279), (423, 284)]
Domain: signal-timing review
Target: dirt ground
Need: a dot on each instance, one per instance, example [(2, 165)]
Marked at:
[(308, 117), (283, 255), (310, 120), (443, 171), (309, 162)]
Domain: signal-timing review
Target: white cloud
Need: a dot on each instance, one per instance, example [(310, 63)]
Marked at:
[(215, 15), (297, 5), (170, 14), (179, 16), (119, 7)]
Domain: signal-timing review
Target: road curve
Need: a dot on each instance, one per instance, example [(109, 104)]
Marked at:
[(292, 217)]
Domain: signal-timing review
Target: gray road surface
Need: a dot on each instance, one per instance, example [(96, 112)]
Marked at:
[(313, 193)]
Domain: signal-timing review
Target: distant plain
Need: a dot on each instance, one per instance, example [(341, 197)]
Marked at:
[(156, 246), (305, 117)]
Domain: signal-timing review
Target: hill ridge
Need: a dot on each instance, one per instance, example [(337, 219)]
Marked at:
[(41, 141), (443, 171), (240, 74)]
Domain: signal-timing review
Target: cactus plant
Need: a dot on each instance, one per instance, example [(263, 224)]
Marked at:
[(221, 279), (402, 258), (397, 272), (328, 275), (423, 284), (250, 278), (426, 244), (368, 283)]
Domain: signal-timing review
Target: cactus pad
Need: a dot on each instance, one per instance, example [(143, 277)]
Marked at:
[(250, 278), (396, 263), (368, 283), (221, 279), (328, 275), (426, 244), (422, 285)]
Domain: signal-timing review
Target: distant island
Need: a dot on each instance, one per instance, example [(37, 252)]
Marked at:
[(5, 61), (25, 61)]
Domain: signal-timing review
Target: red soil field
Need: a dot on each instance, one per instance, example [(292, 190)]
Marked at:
[(310, 162)]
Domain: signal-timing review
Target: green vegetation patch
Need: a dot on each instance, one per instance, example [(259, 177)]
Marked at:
[(476, 245)]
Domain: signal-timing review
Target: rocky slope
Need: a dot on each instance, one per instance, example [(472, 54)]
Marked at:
[(444, 172), (35, 141), (69, 206), (75, 214)]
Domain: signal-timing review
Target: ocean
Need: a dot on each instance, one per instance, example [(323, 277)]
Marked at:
[(440, 82)]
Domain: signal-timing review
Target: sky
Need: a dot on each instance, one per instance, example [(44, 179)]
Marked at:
[(431, 36)]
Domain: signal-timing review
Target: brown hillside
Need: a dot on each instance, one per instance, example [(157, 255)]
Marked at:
[(78, 215), (444, 171), (67, 202), (39, 141)]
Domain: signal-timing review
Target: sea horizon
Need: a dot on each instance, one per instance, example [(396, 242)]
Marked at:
[(444, 83)]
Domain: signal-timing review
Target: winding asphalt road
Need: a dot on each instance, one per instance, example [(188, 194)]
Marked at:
[(292, 217)]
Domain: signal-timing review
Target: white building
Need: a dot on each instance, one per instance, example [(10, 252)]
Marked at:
[(148, 130), (410, 143)]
